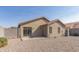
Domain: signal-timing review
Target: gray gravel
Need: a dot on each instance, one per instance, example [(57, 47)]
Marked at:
[(60, 44)]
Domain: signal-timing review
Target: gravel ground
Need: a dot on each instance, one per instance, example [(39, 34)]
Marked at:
[(61, 44)]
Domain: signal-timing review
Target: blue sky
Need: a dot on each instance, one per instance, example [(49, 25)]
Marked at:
[(12, 15)]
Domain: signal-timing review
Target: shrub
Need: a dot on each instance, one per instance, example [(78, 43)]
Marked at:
[(3, 41)]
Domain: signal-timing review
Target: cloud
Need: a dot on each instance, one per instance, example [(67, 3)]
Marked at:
[(71, 18)]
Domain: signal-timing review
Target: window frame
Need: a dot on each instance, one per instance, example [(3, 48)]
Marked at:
[(27, 31), (50, 29), (59, 30)]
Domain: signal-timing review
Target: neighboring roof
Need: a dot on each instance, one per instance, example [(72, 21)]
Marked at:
[(34, 20), (72, 25), (56, 20)]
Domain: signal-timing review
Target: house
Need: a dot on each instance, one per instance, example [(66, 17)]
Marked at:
[(41, 27), (72, 28)]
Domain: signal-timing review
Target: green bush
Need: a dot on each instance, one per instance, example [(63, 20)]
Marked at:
[(3, 41)]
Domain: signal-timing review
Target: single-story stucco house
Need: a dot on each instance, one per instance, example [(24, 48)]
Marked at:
[(41, 27), (72, 29)]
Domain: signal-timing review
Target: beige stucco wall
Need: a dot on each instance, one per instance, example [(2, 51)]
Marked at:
[(55, 30), (36, 28)]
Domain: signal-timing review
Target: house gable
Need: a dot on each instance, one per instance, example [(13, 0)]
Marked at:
[(57, 21), (37, 19), (56, 27)]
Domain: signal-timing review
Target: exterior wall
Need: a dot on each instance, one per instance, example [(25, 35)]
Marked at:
[(11, 33), (36, 28), (2, 32), (55, 30)]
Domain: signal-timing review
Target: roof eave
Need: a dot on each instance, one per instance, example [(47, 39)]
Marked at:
[(32, 21)]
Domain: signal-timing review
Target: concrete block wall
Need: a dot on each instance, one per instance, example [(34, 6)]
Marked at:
[(11, 32), (2, 34)]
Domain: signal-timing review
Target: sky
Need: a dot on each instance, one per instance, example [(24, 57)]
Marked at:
[(12, 15)]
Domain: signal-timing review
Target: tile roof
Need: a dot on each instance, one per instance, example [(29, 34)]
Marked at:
[(73, 25)]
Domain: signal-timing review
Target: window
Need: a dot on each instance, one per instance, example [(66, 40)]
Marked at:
[(50, 29), (58, 29), (27, 31)]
